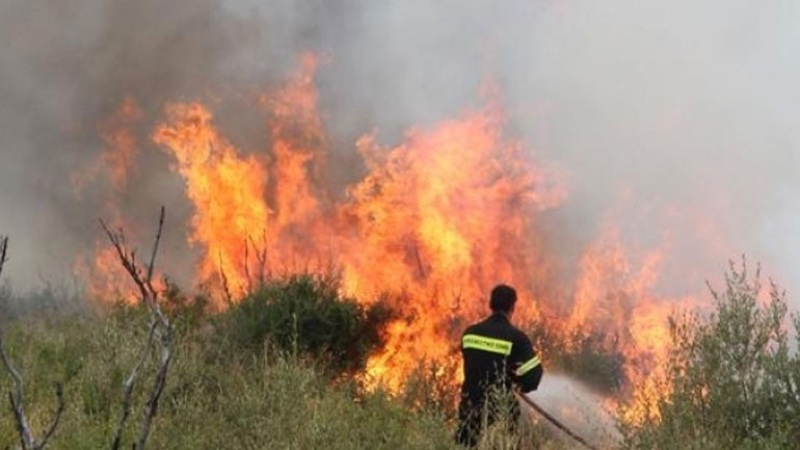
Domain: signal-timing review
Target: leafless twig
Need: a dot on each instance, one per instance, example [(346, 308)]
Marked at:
[(155, 247), (261, 257), (247, 265), (15, 397), (160, 327), (3, 248), (155, 395), (127, 387), (226, 290)]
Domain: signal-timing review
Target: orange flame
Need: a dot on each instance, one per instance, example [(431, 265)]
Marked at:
[(103, 273), (447, 215), (299, 152), (227, 189), (119, 152), (434, 222)]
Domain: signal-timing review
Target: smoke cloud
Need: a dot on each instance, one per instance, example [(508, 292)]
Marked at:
[(674, 120)]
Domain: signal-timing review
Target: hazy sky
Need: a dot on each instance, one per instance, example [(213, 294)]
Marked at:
[(682, 106)]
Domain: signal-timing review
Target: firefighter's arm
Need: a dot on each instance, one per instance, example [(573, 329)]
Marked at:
[(526, 367)]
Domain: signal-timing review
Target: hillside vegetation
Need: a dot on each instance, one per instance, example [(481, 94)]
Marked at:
[(217, 396), (733, 379), (280, 369), (252, 377)]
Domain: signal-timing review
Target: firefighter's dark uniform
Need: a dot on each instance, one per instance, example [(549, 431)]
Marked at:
[(496, 354)]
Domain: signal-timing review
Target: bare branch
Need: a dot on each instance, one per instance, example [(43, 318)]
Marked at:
[(26, 438), (158, 387), (127, 387), (160, 324), (15, 397), (247, 265), (155, 246), (261, 256), (225, 287), (3, 248), (127, 258)]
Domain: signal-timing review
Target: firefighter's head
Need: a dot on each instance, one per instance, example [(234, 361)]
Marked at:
[(502, 299)]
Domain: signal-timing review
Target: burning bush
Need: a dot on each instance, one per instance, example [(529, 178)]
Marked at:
[(591, 355), (306, 313), (732, 380)]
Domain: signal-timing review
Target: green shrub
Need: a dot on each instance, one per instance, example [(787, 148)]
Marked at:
[(305, 313), (733, 381), (187, 312)]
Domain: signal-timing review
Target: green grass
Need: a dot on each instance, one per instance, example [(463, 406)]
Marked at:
[(213, 400), (224, 389), (256, 376)]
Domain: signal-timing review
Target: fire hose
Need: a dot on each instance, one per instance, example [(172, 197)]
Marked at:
[(555, 421)]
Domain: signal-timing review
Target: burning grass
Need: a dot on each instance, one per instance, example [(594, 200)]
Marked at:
[(239, 380), (225, 389)]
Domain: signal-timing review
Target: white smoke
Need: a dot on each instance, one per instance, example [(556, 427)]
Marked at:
[(676, 109)]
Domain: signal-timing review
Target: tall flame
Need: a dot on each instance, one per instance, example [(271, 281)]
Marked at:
[(434, 222), (102, 272), (227, 189), (442, 218)]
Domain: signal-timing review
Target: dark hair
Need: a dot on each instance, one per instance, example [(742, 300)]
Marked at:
[(503, 298)]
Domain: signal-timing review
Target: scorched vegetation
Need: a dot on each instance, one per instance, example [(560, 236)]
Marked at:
[(282, 366)]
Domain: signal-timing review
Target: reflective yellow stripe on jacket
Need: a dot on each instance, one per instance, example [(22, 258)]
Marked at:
[(486, 344), (528, 366)]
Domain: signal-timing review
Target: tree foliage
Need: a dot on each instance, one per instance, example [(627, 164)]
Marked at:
[(733, 375), (305, 313)]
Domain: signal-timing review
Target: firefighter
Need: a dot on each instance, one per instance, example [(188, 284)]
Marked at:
[(497, 356)]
